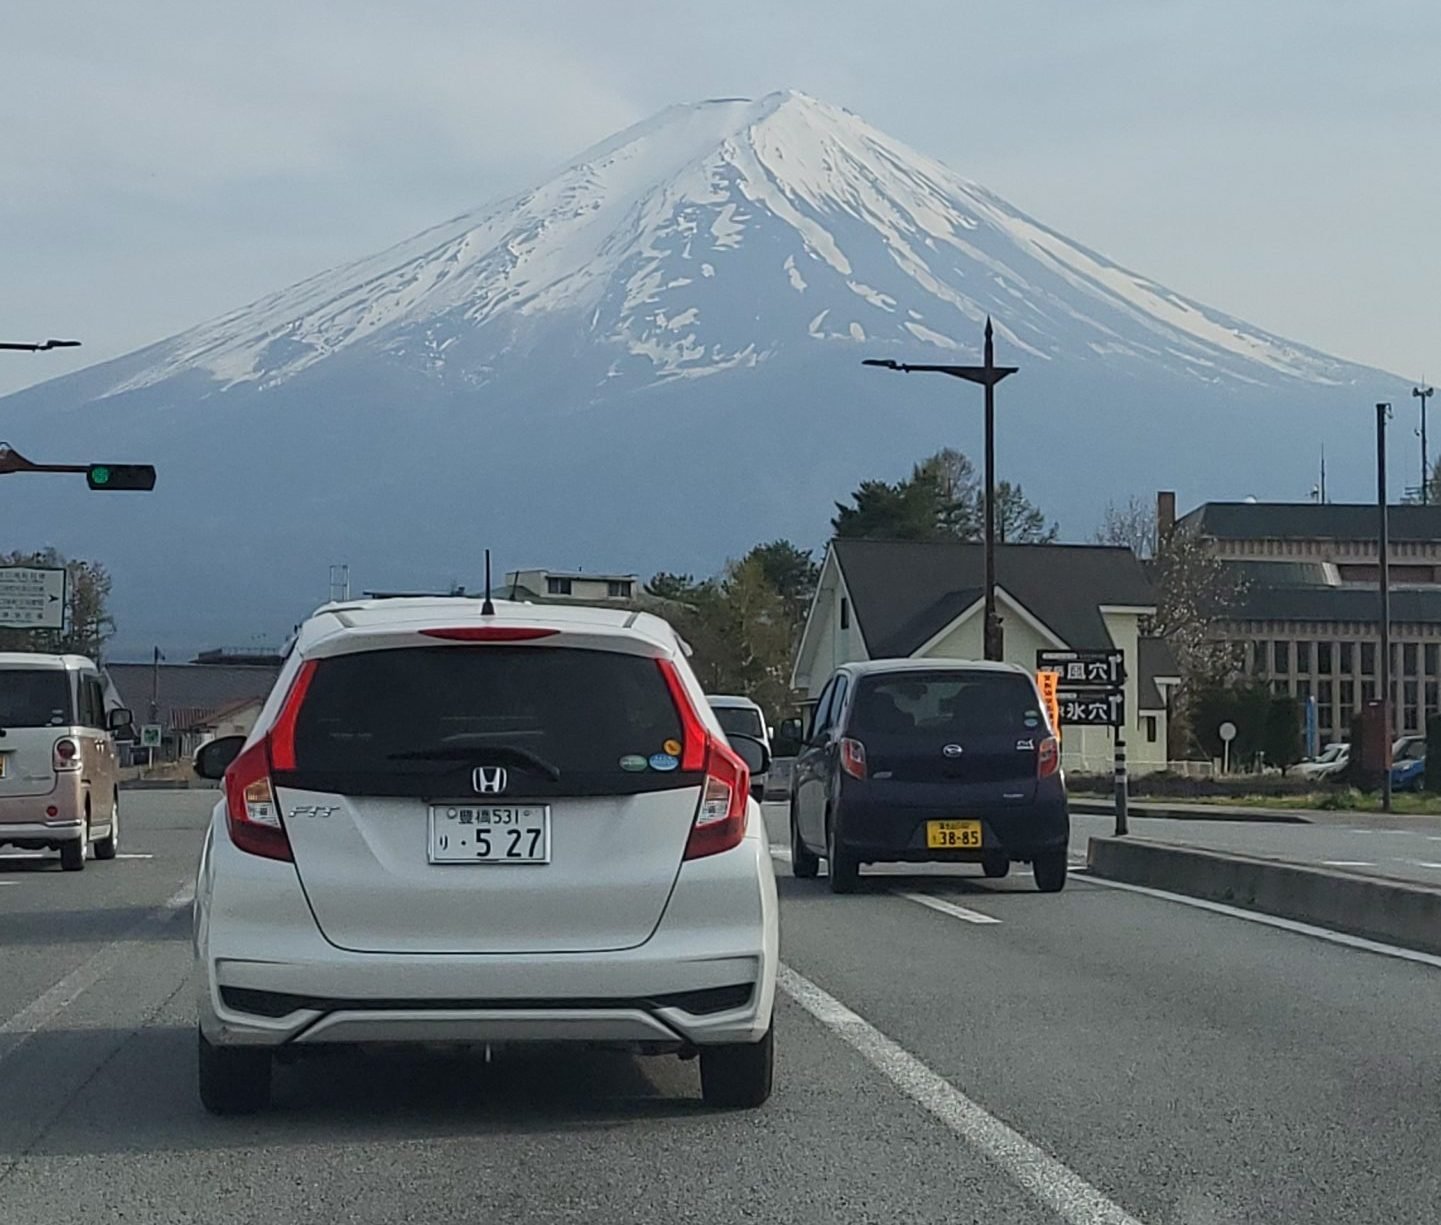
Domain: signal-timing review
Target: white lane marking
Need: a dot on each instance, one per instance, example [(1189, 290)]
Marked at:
[(935, 903), (1269, 920), (1347, 863), (1055, 1185), (1420, 863), (133, 855), (18, 1030)]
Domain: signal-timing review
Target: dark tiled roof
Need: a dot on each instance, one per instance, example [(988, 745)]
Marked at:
[(1415, 605), (1155, 660), (1279, 573), (1311, 521), (905, 592), (189, 692)]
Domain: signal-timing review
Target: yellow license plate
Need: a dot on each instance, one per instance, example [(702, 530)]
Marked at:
[(953, 835)]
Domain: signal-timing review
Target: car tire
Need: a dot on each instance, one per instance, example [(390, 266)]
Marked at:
[(72, 854), (805, 863), (1050, 871), (995, 866), (738, 1075), (108, 845), (843, 870), (233, 1079)]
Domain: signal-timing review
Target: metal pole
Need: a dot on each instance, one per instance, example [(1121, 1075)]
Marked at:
[(1122, 786), (1384, 571), (1424, 393), (994, 648)]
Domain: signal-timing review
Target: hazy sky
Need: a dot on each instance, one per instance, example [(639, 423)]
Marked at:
[(162, 161)]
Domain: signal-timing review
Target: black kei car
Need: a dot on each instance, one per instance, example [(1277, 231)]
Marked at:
[(929, 761)]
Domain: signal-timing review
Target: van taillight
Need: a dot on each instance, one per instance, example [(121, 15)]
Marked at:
[(251, 813), (66, 755), (853, 758), (1048, 757)]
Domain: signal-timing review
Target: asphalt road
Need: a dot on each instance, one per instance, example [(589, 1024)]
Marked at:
[(1403, 851), (983, 1054)]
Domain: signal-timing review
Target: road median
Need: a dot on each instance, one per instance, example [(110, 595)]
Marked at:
[(1388, 911)]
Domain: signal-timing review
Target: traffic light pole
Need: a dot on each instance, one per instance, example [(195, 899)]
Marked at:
[(103, 477)]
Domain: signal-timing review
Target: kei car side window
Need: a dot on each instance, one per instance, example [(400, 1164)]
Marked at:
[(837, 704), (818, 714)]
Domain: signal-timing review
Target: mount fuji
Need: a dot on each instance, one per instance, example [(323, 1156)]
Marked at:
[(651, 360)]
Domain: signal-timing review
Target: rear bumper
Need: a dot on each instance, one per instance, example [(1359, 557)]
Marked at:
[(26, 820), (706, 976), (887, 822)]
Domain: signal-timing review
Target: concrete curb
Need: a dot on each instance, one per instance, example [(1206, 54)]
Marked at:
[(1391, 912), (1094, 806)]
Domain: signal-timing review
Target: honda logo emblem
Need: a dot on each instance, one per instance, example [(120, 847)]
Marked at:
[(489, 780), (952, 750)]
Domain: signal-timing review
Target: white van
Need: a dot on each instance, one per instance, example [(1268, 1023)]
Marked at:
[(737, 714), (59, 770)]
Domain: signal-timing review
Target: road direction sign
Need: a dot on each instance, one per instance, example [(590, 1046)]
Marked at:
[(1078, 668), (150, 735), (1092, 707), (32, 597)]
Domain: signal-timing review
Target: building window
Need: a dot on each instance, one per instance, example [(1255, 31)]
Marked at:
[(1410, 716), (557, 586), (1368, 660), (618, 589), (1150, 729), (1431, 661), (1303, 691), (845, 613), (1261, 658), (1348, 659), (1408, 659), (1282, 689), (1303, 658), (1325, 712), (1281, 657), (1430, 698), (1368, 691), (1348, 701), (1324, 658)]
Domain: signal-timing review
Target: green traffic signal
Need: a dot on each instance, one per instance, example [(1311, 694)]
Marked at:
[(121, 476)]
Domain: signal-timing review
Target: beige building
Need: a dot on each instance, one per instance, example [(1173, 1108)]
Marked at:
[(916, 600), (569, 585), (1308, 619)]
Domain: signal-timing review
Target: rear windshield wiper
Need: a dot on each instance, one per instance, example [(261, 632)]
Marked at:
[(481, 754)]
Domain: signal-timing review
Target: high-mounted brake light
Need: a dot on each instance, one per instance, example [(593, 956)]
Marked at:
[(252, 815), (1048, 757), (489, 633)]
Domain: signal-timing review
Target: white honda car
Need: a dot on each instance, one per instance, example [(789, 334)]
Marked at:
[(485, 825)]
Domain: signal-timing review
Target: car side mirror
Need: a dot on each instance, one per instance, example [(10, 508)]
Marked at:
[(751, 751), (213, 757), (119, 719)]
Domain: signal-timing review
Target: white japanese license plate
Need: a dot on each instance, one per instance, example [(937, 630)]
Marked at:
[(489, 833)]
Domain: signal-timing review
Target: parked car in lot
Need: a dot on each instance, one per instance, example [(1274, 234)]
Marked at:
[(923, 761), (525, 825), (1408, 763), (1329, 761), (59, 770)]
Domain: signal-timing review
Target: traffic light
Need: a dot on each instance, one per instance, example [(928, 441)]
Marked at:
[(121, 476)]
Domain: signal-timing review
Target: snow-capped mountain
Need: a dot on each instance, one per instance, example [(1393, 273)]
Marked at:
[(650, 359)]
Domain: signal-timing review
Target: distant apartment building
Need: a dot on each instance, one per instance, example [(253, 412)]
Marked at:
[(1307, 622), (575, 585)]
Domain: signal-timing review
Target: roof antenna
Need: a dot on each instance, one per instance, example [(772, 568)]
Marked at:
[(487, 608)]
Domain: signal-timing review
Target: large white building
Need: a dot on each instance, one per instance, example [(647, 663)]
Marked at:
[(916, 600)]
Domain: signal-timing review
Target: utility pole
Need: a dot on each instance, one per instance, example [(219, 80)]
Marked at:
[(1424, 393), (988, 375), (1384, 570)]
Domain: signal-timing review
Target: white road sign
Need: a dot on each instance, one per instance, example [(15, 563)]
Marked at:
[(32, 597), (150, 734)]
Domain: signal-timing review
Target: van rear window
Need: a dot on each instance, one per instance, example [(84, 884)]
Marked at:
[(561, 721), (35, 697), (947, 703)]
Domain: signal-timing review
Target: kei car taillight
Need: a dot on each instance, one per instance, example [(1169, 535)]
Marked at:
[(66, 755), (853, 757), (1048, 757)]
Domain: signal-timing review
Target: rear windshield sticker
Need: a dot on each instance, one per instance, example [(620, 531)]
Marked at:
[(663, 762), (633, 763), (672, 747)]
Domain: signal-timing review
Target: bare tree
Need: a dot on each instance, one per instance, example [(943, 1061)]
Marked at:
[(1132, 525)]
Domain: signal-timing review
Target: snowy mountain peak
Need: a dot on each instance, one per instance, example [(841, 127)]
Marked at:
[(715, 235)]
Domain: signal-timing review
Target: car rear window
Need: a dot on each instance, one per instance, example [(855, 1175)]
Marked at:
[(949, 703), (740, 719), (420, 720), (35, 697)]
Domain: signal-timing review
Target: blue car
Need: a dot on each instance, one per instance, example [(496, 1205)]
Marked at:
[(1408, 768)]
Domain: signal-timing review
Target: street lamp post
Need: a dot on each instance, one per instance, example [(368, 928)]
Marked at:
[(987, 375), (1424, 393), (1384, 571)]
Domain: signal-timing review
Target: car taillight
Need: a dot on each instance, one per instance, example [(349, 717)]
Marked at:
[(67, 754), (720, 821), (853, 758), (1048, 757), (252, 815), (695, 736)]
